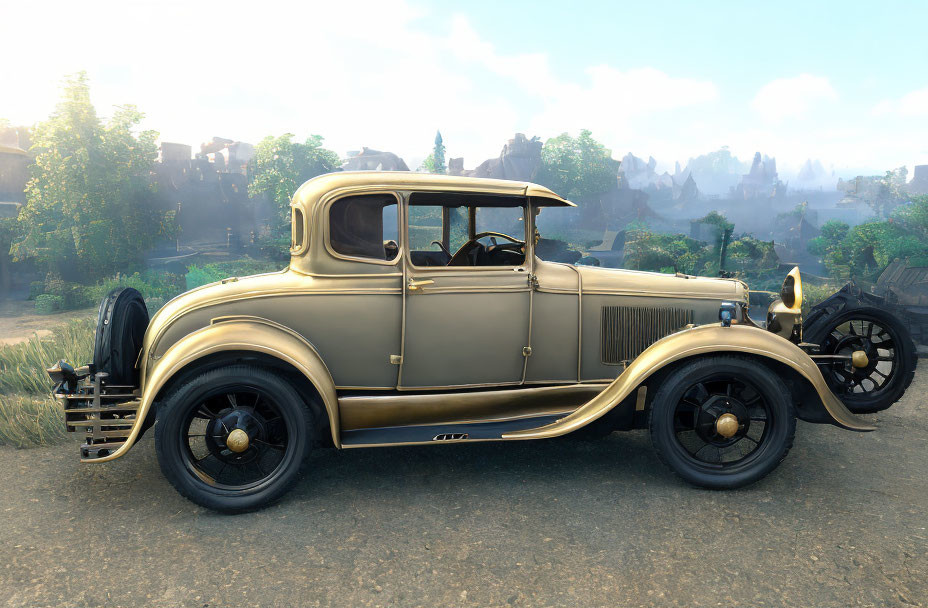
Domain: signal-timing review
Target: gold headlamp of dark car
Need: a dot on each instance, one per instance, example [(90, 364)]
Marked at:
[(784, 315)]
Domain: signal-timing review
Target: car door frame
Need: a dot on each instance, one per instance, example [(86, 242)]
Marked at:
[(411, 272)]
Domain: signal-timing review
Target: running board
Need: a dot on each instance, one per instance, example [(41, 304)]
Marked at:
[(442, 433)]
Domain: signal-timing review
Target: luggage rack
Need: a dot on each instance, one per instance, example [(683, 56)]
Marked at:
[(106, 413)]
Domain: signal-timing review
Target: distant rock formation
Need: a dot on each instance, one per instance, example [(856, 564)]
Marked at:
[(519, 160), (761, 182), (638, 174), (374, 160), (813, 176)]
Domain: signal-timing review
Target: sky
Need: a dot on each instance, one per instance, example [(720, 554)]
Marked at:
[(842, 82)]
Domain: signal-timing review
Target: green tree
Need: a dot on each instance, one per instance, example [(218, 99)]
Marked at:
[(279, 167), (438, 155), (89, 208), (577, 167)]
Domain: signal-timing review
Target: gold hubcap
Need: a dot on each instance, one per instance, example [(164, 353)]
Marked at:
[(237, 441), (726, 425), (859, 359)]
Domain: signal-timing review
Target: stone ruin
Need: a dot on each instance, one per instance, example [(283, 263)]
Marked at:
[(373, 160), (519, 160), (209, 192)]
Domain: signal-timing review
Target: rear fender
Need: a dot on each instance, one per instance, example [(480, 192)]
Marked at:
[(703, 340), (238, 333)]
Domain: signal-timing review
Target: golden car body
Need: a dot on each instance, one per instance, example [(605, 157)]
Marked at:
[(398, 351)]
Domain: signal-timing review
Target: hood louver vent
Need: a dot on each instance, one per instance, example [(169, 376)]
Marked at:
[(628, 330)]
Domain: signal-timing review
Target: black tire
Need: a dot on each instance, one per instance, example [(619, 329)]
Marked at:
[(198, 469), (890, 370), (121, 324), (677, 403)]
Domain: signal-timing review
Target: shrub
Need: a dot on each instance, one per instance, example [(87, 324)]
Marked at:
[(210, 273), (47, 304)]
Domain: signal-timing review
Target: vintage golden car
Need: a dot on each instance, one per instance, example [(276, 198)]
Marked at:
[(414, 311)]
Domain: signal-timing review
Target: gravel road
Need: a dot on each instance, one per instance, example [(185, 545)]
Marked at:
[(559, 523)]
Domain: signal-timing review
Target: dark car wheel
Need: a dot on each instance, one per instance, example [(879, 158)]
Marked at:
[(233, 439), (891, 357), (722, 422)]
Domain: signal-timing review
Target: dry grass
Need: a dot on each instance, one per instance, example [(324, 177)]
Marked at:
[(28, 414), (30, 420)]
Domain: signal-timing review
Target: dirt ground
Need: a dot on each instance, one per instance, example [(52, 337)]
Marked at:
[(19, 321), (842, 522)]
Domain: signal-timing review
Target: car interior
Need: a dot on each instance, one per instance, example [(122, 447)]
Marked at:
[(456, 229)]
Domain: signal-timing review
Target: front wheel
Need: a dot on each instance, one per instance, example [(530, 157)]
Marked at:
[(890, 357), (722, 422), (233, 439)]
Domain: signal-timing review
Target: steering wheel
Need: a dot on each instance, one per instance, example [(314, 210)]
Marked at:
[(473, 244)]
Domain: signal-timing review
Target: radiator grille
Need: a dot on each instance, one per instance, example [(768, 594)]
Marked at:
[(628, 330)]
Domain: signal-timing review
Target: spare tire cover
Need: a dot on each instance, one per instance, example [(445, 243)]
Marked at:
[(121, 325)]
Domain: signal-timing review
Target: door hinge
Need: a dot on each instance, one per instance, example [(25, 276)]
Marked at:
[(533, 281), (396, 359), (526, 351)]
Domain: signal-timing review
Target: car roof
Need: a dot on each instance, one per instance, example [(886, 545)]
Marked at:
[(311, 191)]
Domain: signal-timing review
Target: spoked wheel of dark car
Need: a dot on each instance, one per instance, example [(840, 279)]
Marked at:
[(233, 439), (879, 363), (722, 422)]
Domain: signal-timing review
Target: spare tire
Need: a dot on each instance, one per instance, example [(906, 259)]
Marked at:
[(121, 325)]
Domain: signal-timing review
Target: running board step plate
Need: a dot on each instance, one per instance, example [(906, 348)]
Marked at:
[(442, 433)]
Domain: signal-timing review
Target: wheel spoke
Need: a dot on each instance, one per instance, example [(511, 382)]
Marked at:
[(276, 446)]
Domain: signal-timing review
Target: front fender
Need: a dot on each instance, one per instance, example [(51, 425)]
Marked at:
[(703, 340), (239, 333)]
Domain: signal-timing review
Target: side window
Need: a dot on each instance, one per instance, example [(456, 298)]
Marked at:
[(365, 226), (425, 226), (461, 229)]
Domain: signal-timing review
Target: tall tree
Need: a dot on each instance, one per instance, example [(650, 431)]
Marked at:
[(438, 154), (577, 167), (280, 166), (435, 162), (89, 210)]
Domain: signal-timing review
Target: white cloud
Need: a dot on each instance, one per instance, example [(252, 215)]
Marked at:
[(792, 97), (911, 104)]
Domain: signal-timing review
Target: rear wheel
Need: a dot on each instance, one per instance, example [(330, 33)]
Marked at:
[(722, 422), (233, 439)]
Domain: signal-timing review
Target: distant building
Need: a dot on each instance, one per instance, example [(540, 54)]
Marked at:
[(919, 183)]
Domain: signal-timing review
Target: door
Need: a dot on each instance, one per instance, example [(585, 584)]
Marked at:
[(467, 293)]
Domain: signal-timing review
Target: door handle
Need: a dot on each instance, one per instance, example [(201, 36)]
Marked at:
[(414, 285)]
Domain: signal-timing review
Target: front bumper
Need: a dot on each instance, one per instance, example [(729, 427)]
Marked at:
[(105, 413)]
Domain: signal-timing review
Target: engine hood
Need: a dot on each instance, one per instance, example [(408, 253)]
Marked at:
[(637, 282)]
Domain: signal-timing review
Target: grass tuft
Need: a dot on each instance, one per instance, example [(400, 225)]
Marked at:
[(30, 421), (29, 416)]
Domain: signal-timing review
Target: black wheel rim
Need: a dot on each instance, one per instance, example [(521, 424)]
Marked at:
[(212, 419), (878, 341), (699, 410)]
